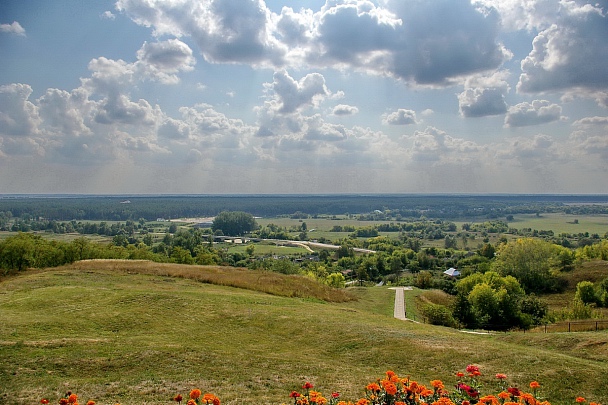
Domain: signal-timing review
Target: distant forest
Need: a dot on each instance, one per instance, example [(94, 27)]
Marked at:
[(376, 207)]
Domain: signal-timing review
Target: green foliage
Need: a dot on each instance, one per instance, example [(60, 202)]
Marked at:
[(423, 280), (437, 315), (335, 280), (585, 292), (594, 251), (576, 310), (493, 300), (534, 307), (234, 223), (530, 262)]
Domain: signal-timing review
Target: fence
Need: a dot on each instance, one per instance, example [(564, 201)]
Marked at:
[(563, 326), (571, 326)]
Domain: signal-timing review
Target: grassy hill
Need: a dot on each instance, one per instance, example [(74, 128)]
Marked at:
[(139, 333)]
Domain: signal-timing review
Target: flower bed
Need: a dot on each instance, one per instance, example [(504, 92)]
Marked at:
[(394, 390)]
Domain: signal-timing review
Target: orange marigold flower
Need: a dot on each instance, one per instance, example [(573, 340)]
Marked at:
[(580, 400), (178, 398), (63, 401), (399, 403), (528, 398), (90, 402), (501, 376), (195, 393), (208, 398), (390, 374), (447, 401), (504, 395), (44, 401), (191, 402), (460, 374), (390, 388), (373, 387), (73, 398), (363, 401), (216, 401), (534, 385), (437, 384), (426, 393), (489, 399)]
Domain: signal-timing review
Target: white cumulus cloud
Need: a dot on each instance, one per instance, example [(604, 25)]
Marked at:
[(13, 28), (535, 113)]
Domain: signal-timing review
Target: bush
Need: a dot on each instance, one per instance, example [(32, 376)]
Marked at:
[(585, 292), (438, 315)]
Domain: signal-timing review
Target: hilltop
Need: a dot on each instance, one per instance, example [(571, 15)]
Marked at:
[(113, 334)]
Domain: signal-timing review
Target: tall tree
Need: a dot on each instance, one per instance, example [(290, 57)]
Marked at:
[(234, 223)]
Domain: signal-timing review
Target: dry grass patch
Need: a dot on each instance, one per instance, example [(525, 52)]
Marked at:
[(263, 281), (436, 297)]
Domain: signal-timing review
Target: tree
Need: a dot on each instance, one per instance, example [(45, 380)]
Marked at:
[(335, 280), (234, 223), (531, 262), (17, 252), (494, 300), (585, 292)]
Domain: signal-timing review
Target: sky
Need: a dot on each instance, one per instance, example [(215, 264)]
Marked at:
[(303, 96)]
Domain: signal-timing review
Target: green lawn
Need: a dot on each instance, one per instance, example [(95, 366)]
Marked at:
[(119, 336)]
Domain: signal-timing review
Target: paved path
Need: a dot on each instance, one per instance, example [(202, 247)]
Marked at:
[(399, 312)]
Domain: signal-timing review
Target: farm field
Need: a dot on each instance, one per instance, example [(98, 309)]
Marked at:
[(115, 332), (560, 223)]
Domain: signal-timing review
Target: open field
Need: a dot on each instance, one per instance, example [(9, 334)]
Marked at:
[(560, 223), (129, 333)]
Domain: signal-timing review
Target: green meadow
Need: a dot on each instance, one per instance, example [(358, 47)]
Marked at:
[(140, 333), (560, 223)]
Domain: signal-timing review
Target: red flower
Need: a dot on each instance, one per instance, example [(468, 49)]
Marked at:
[(307, 386), (294, 394), (335, 395), (514, 391), (471, 369), (470, 391), (460, 374), (178, 398), (501, 376), (580, 400), (44, 401)]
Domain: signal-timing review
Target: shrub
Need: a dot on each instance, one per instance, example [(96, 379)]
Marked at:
[(438, 315)]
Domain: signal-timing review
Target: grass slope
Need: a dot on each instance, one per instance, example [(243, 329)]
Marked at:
[(114, 334)]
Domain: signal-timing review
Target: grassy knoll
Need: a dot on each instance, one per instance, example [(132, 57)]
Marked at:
[(593, 271), (135, 333)]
